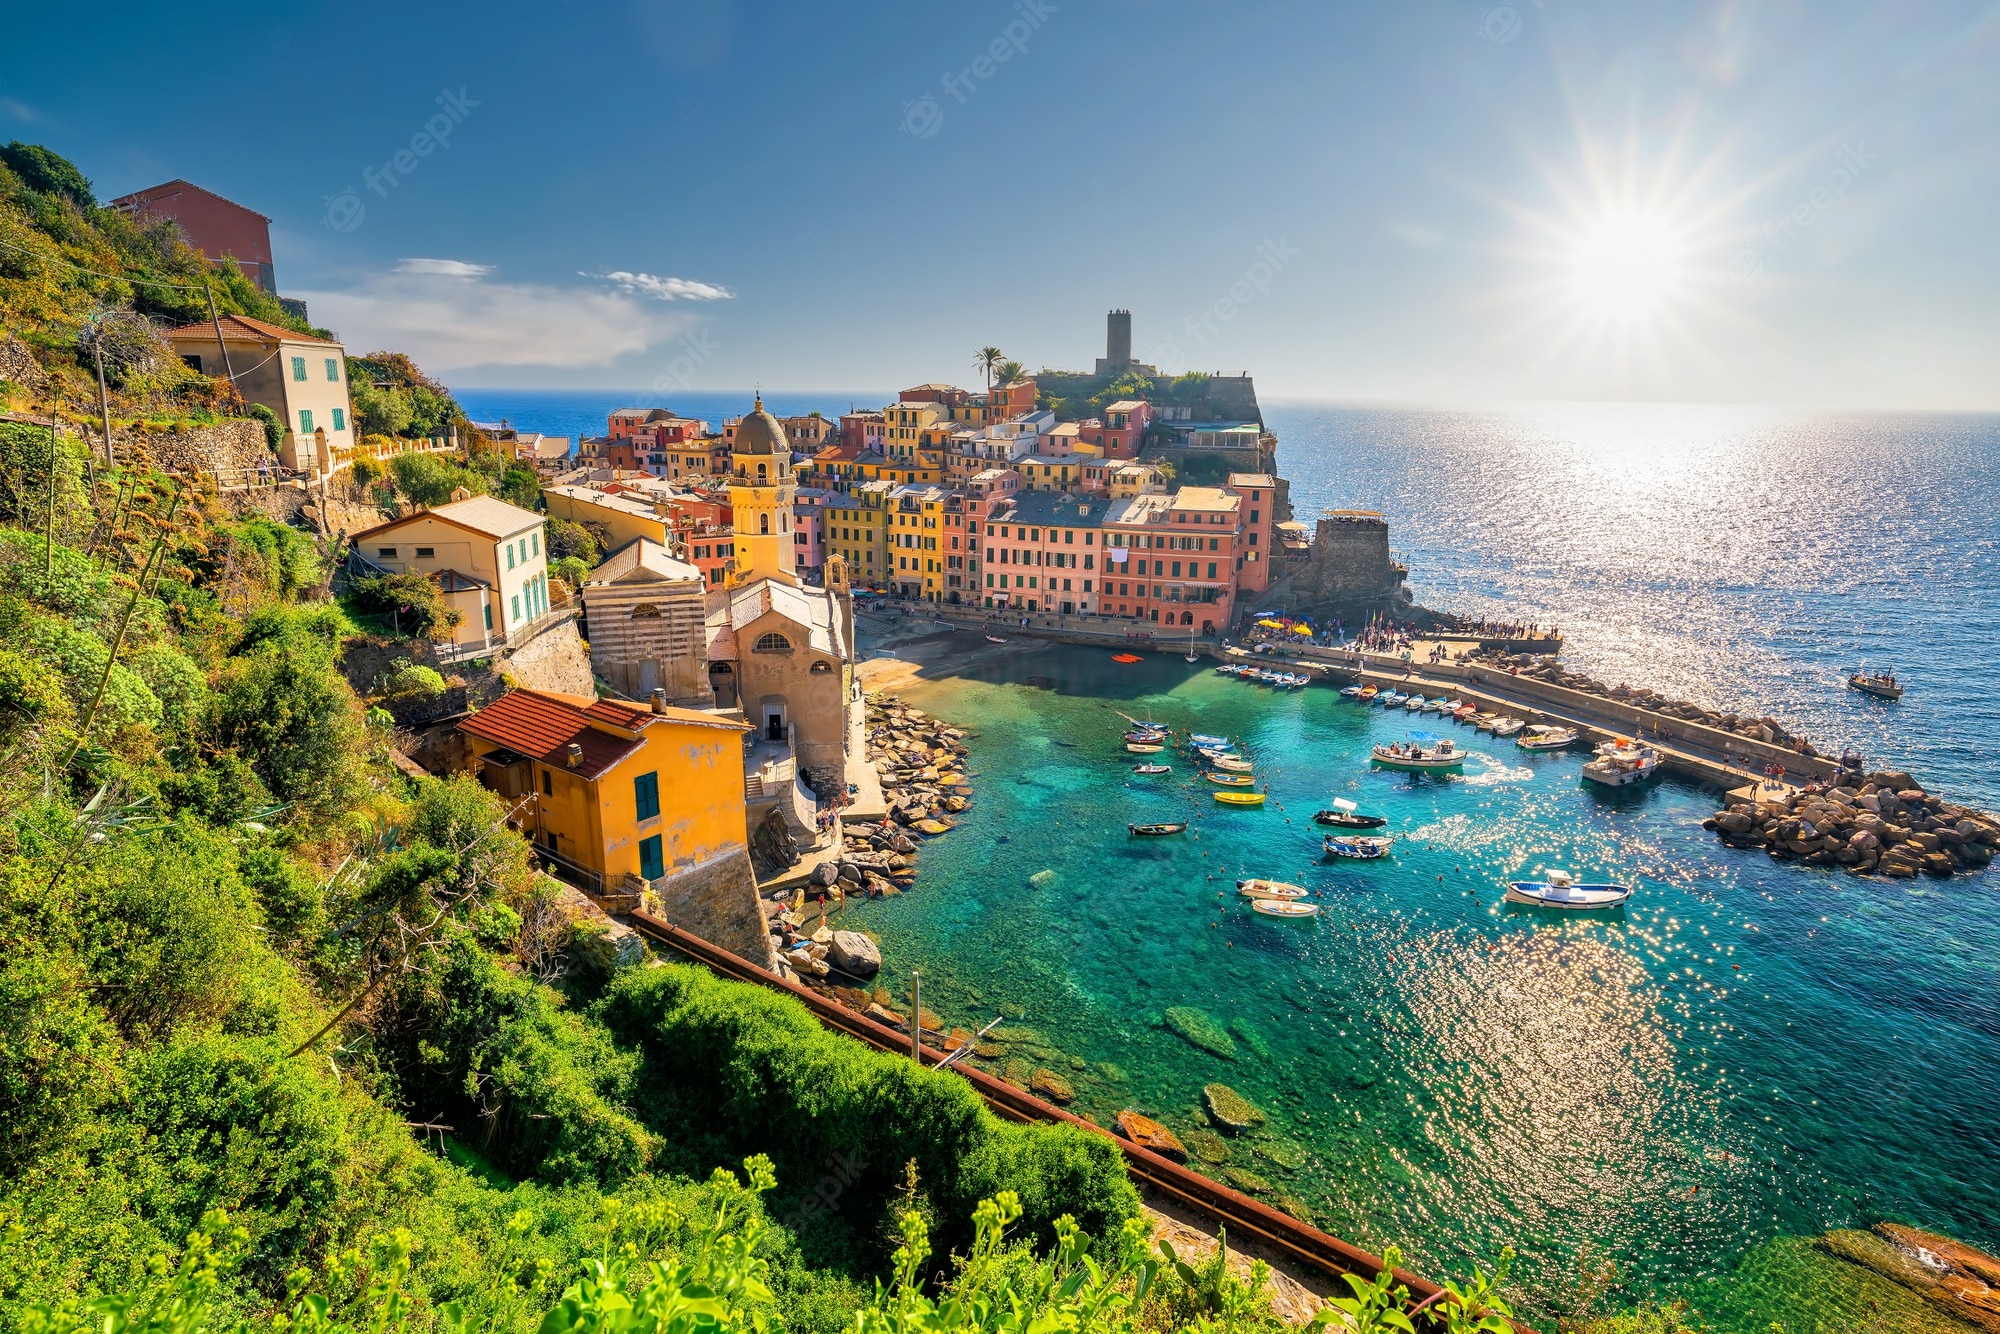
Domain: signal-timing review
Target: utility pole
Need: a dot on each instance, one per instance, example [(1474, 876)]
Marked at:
[(103, 398), (216, 320)]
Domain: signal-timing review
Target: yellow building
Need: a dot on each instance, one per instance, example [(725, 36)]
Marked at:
[(615, 794), (626, 516), (485, 554), (761, 492), (904, 425), (917, 554)]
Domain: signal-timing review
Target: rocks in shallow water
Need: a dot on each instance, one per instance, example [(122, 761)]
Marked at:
[(853, 953), (1294, 1206), (1283, 1152), (1147, 1133), (1199, 1028), (1248, 1182), (1251, 1038), (1046, 1083), (1961, 1279), (1017, 1072), (1229, 1109), (882, 1014), (1044, 880), (988, 1051), (1208, 1146)]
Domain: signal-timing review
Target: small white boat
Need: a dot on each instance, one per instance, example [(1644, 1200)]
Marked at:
[(1546, 736), (1418, 757), (1143, 747), (1204, 739), (1414, 704), (1389, 699), (1508, 726), (1149, 769), (995, 639), (1234, 766), (1269, 889), (1483, 722), (1882, 685), (1438, 705), (1284, 908), (1350, 692), (1560, 890), (1621, 763), (1358, 847)]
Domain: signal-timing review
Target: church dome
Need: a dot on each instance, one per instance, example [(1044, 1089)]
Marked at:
[(760, 433)]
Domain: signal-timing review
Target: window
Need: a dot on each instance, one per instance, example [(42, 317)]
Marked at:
[(651, 865), (1211, 569), (517, 607), (426, 553), (305, 421), (489, 617), (298, 368), (387, 553), (510, 555), (332, 370), (535, 543), (548, 785), (339, 419), (771, 642), (646, 795)]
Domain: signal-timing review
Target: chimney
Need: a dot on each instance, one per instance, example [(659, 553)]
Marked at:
[(574, 755), (659, 700)]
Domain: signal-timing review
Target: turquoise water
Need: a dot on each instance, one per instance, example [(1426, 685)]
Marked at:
[(1748, 1051)]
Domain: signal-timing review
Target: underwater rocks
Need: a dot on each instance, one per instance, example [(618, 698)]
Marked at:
[(1961, 1279), (1199, 1028), (1871, 828), (1046, 1083), (1149, 1134), (1230, 1109)]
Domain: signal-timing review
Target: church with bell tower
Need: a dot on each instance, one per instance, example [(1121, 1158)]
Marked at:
[(761, 492)]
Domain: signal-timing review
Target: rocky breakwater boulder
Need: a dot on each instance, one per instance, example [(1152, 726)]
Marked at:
[(921, 764), (1885, 825), (1957, 1278), (1765, 729)]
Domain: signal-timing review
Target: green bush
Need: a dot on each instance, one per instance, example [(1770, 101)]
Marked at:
[(429, 480), (413, 681), (412, 599), (282, 703), (725, 1062), (568, 539)]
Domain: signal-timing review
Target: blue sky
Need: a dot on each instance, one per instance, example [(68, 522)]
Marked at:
[(1401, 202)]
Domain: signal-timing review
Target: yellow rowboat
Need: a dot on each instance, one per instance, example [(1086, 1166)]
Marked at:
[(1232, 780), (1284, 908), (1240, 798)]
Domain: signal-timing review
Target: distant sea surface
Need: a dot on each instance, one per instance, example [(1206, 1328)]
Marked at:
[(1748, 1055)]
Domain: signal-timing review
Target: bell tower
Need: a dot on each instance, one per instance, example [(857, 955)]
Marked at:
[(761, 491)]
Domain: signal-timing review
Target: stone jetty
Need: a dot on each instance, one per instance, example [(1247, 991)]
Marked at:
[(1755, 728), (1883, 824)]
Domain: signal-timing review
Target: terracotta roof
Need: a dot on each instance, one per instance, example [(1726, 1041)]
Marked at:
[(480, 514), (242, 327), (140, 198), (542, 724)]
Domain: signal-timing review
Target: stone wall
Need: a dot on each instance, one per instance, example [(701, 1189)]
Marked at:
[(718, 901), (230, 448), (647, 635), (555, 660)]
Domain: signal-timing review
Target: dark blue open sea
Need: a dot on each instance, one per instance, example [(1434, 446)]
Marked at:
[(1749, 1055)]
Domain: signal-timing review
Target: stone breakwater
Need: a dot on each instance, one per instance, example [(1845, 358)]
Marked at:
[(1883, 824), (1766, 729)]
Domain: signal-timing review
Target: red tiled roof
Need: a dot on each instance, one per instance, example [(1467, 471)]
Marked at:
[(631, 717), (542, 726), (242, 326)]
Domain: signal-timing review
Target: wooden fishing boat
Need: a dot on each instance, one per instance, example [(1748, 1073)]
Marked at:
[(1156, 830), (1240, 798), (1158, 735), (1233, 765), (1368, 694), (1882, 685), (1149, 769), (1231, 780), (1269, 889), (1508, 726), (1204, 739), (995, 639), (1144, 747), (1415, 757), (1465, 713), (1559, 890), (1284, 908), (1546, 736), (1358, 847)]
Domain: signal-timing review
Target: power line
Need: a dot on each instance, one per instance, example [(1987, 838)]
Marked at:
[(115, 277)]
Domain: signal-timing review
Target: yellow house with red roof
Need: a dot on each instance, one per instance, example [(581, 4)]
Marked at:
[(614, 793)]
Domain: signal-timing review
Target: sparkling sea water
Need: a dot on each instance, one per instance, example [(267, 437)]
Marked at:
[(1749, 1054)]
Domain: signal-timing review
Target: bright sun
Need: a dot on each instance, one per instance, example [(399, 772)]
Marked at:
[(1627, 266)]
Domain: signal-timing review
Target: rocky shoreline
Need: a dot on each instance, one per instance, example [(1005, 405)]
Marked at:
[(1883, 824)]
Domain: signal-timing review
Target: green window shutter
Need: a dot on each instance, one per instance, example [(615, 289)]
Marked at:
[(339, 419), (305, 421), (510, 555), (651, 864), (646, 794), (489, 617), (333, 369), (298, 368), (516, 600)]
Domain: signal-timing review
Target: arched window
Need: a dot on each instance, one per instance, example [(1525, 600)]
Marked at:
[(822, 668), (646, 611), (772, 642), (764, 524), (760, 472)]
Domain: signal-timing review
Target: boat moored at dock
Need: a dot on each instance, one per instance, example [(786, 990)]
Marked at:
[(1546, 736), (1622, 762), (1422, 755)]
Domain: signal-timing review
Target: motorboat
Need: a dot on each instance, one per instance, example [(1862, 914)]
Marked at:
[(1234, 766), (1882, 685), (1546, 736), (1452, 706), (1621, 763), (1269, 889), (1438, 705), (1508, 726), (1422, 755), (1415, 703), (1390, 699), (1126, 658), (1231, 780), (1344, 815), (1484, 721), (1144, 747), (1558, 889), (1358, 847), (1240, 798), (1465, 713), (1156, 830), (1368, 694), (1284, 908), (1204, 739), (1351, 692), (1150, 769), (1146, 734)]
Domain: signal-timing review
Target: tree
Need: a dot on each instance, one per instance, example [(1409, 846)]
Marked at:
[(1010, 372), (48, 173), (412, 598), (988, 359), (565, 538)]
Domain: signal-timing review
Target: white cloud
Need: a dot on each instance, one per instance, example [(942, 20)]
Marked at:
[(448, 324), (447, 268), (17, 110), (666, 289)]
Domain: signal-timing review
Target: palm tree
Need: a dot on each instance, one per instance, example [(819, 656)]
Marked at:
[(986, 359), (1009, 372)]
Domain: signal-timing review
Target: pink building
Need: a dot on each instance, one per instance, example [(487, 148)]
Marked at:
[(1259, 494), (1174, 560), (809, 527), (1042, 552)]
